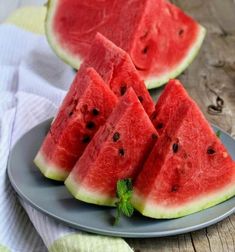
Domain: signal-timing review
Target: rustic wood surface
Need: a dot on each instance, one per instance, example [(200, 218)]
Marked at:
[(211, 75)]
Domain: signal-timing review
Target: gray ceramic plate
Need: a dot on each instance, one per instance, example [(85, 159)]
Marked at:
[(53, 199)]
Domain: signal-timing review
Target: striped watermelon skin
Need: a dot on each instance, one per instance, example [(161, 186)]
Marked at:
[(85, 108), (188, 169)]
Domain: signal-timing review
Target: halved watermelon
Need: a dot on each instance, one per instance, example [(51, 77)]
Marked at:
[(85, 108), (117, 151), (188, 169), (117, 70), (160, 38)]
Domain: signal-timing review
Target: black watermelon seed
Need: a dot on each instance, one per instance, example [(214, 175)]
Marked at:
[(123, 89), (90, 125), (175, 147), (159, 125), (121, 152), (175, 188), (95, 111), (140, 98), (116, 136), (210, 151), (145, 50), (86, 139), (154, 136), (181, 32), (70, 113)]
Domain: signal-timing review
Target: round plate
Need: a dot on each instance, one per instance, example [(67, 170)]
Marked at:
[(53, 199)]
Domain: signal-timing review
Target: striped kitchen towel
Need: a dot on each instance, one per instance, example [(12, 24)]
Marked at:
[(33, 81)]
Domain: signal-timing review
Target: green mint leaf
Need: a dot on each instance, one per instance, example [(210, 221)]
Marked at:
[(123, 204), (218, 133)]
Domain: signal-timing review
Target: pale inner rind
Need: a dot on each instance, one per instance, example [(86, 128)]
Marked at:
[(48, 169), (87, 195), (156, 210)]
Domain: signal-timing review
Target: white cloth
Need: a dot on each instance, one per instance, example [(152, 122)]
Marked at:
[(32, 85)]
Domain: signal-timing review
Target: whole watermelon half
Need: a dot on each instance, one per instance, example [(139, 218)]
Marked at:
[(161, 39)]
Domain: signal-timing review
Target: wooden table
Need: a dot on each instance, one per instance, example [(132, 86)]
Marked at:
[(211, 75)]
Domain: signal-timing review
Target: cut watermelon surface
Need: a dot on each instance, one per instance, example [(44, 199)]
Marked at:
[(172, 97), (117, 70), (160, 38), (188, 169), (117, 151), (85, 108)]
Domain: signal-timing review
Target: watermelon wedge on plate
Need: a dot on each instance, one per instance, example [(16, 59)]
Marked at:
[(161, 39), (85, 108), (188, 169), (117, 70), (117, 151)]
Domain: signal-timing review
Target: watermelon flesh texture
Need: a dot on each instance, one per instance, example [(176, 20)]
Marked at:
[(170, 99), (85, 108), (160, 38), (188, 169), (117, 151), (117, 70)]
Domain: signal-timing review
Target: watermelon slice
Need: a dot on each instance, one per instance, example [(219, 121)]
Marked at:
[(117, 70), (188, 169), (160, 38), (170, 99), (118, 150), (85, 108)]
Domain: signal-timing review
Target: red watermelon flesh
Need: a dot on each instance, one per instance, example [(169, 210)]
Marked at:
[(188, 169), (117, 70), (160, 38), (85, 108), (118, 150), (173, 95)]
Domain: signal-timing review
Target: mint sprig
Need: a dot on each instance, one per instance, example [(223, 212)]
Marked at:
[(218, 133), (123, 193)]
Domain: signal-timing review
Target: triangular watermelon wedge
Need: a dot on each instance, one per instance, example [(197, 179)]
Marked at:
[(188, 169), (117, 151), (85, 108), (160, 38), (172, 97), (117, 70)]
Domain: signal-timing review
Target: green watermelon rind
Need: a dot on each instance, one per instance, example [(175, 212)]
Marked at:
[(48, 169), (67, 57), (157, 81), (156, 211), (85, 194), (151, 82)]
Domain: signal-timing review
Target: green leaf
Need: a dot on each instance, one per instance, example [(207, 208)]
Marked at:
[(123, 204), (218, 133)]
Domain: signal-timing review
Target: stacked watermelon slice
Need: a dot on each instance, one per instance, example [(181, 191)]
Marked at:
[(107, 127)]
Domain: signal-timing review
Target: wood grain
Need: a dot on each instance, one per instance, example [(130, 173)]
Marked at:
[(212, 74)]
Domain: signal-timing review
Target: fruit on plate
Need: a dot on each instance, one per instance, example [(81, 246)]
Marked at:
[(161, 39), (167, 103), (188, 169), (117, 70), (85, 108), (117, 151)]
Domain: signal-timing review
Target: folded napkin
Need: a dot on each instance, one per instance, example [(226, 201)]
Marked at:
[(33, 82)]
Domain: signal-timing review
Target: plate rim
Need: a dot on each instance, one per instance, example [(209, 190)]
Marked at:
[(115, 233)]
